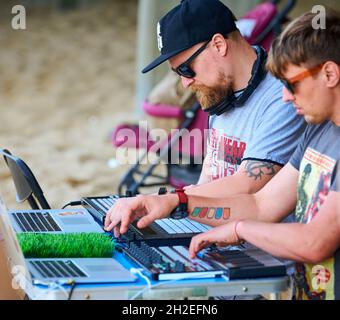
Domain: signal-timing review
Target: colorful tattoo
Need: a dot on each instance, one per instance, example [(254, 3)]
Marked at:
[(196, 212), (219, 213), (226, 213), (203, 212), (256, 169), (211, 213)]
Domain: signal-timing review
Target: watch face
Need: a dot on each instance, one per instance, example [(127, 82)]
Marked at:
[(179, 214)]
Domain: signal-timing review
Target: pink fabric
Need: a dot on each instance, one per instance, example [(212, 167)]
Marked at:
[(192, 143), (267, 41), (194, 147), (162, 110), (131, 136), (263, 14)]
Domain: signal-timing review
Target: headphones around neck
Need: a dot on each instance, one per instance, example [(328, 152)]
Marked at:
[(257, 75)]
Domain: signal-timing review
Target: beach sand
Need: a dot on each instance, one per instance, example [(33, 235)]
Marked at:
[(65, 83)]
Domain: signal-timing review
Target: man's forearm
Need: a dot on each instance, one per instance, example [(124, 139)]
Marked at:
[(312, 242), (250, 178), (271, 204), (279, 240)]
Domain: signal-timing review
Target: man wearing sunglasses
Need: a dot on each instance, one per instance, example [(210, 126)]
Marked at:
[(252, 132)]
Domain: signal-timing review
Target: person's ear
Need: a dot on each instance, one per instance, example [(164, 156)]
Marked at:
[(220, 44), (331, 74)]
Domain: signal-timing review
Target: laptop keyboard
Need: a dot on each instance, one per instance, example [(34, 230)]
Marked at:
[(58, 269), (36, 222)]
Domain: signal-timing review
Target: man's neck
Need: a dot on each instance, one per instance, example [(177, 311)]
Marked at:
[(244, 57)]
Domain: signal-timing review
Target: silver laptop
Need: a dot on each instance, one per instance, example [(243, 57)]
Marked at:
[(80, 270), (54, 221)]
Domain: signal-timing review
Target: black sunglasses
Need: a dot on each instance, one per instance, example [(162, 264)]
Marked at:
[(288, 85), (184, 69)]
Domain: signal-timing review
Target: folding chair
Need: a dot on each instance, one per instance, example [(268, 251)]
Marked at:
[(27, 186)]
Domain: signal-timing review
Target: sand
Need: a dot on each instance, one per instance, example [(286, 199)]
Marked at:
[(65, 82)]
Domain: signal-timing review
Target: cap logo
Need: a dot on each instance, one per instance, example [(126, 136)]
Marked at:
[(159, 37)]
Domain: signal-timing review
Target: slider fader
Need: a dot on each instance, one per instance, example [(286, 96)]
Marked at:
[(168, 263), (173, 262)]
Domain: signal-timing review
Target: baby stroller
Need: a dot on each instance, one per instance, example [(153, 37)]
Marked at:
[(258, 26)]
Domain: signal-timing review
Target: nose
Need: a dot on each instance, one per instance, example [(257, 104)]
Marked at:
[(186, 82), (287, 95)]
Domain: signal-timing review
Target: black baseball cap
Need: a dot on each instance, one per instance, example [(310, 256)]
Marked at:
[(189, 23)]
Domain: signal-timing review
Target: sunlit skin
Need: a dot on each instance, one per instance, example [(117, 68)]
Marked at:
[(314, 96), (202, 65), (214, 68), (210, 83)]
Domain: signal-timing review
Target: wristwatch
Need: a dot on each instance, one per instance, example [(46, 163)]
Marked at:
[(181, 211)]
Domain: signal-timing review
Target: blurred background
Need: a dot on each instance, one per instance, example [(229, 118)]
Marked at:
[(70, 78)]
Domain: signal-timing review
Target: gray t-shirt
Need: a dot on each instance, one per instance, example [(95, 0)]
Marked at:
[(265, 128), (316, 158), (319, 150)]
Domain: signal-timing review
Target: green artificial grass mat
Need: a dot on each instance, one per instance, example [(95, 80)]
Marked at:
[(66, 245)]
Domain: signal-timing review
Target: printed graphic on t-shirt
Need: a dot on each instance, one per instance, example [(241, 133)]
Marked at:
[(314, 281), (225, 154)]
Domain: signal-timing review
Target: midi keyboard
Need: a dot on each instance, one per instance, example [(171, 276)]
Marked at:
[(173, 262), (163, 231)]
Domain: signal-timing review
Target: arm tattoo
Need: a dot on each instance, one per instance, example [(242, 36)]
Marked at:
[(211, 213), (256, 169)]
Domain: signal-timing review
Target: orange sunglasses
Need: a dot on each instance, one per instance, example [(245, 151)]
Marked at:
[(289, 84)]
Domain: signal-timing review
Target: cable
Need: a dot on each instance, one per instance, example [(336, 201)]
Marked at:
[(52, 286), (57, 285), (72, 203), (150, 286), (147, 280), (73, 286), (225, 278)]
